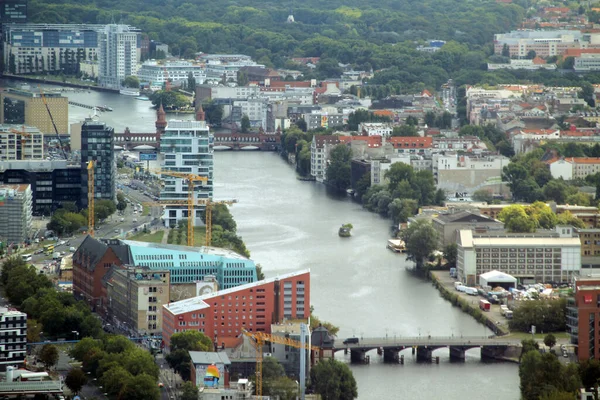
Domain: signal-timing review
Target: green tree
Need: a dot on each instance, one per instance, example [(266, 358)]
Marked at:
[(245, 124), (450, 254), (550, 340), (430, 119), (333, 380), (547, 315), (516, 219), (338, 170), (131, 82), (363, 184), (483, 195), (189, 391), (413, 121), (115, 379), (75, 380), (83, 347), (421, 240), (49, 355), (542, 215), (213, 112), (531, 54), (191, 82), (556, 190), (399, 210), (505, 50), (405, 130), (191, 341), (397, 173), (170, 100), (141, 387)]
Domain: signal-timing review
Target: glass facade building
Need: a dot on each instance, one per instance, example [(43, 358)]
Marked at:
[(97, 145)]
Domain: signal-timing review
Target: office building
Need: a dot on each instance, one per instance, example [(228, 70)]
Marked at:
[(15, 213), (13, 337), (13, 11), (254, 307), (174, 71), (186, 147), (21, 107), (18, 142), (52, 182), (551, 256), (545, 43), (188, 265), (583, 312), (118, 55), (97, 145), (135, 296)]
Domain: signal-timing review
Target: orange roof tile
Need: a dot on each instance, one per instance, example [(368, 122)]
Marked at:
[(384, 113)]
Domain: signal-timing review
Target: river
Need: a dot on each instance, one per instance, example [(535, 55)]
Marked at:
[(356, 283)]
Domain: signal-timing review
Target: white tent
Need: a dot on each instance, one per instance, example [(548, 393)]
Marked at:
[(494, 278)]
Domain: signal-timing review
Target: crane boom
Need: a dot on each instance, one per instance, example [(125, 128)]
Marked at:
[(90, 169), (53, 123), (259, 339)]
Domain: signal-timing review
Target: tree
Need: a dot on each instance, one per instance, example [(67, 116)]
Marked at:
[(483, 195), (245, 127), (338, 170), (411, 120), (115, 379), (191, 341), (547, 315), (531, 54), (397, 173), (405, 130), (49, 355), (587, 93), (83, 347), (399, 210), (505, 50), (75, 379), (430, 119), (550, 340), (191, 82), (421, 240), (189, 391), (450, 254), (169, 100), (333, 380), (141, 387), (516, 219), (34, 329), (131, 82)]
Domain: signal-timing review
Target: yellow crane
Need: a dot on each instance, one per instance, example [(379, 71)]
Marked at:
[(190, 202), (258, 341), (207, 203), (90, 171)]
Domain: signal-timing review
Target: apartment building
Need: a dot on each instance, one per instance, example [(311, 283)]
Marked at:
[(13, 337), (569, 168), (325, 120), (458, 173), (119, 54), (15, 213), (538, 257), (18, 142), (187, 147), (320, 147), (375, 129), (97, 145), (256, 109), (254, 307), (21, 107), (174, 71)]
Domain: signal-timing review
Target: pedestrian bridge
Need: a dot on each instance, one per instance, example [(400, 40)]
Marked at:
[(494, 347)]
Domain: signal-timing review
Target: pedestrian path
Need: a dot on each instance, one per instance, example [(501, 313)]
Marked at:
[(165, 237)]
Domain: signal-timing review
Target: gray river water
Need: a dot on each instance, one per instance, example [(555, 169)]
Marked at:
[(356, 283)]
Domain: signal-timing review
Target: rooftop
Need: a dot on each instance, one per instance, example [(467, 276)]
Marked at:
[(198, 303), (204, 357), (144, 248)]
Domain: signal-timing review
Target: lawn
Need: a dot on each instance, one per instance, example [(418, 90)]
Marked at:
[(145, 210), (538, 336), (155, 237), (199, 236)]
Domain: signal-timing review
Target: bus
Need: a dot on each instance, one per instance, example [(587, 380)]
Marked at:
[(49, 248), (26, 257)]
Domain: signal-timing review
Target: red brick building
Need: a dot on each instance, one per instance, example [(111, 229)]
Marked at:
[(91, 262), (254, 307), (583, 318)]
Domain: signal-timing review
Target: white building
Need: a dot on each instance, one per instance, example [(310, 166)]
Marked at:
[(320, 147), (522, 64), (118, 56), (175, 71), (375, 129), (227, 92), (186, 147), (540, 257), (458, 173), (302, 96), (527, 139), (89, 68), (27, 145), (256, 110), (587, 62), (570, 168), (544, 43)]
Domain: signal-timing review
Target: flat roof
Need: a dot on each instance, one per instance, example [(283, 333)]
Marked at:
[(199, 303), (145, 248), (526, 241)]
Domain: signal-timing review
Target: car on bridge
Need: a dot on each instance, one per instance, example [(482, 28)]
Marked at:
[(352, 340)]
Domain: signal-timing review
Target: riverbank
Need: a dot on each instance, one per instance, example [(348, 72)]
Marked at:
[(58, 83), (493, 319)]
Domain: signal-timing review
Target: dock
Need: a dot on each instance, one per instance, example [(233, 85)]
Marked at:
[(99, 108)]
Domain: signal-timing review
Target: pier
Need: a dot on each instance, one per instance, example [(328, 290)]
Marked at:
[(99, 108)]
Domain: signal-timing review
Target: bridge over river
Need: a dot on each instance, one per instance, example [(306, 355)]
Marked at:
[(494, 347)]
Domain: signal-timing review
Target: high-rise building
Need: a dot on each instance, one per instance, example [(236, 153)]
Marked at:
[(118, 54), (583, 313), (13, 337), (52, 182), (21, 107), (187, 147), (15, 213), (19, 142), (97, 145)]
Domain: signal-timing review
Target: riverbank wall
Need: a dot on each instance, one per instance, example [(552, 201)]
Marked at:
[(469, 304), (58, 83)]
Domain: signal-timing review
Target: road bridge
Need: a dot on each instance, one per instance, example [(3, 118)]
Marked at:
[(494, 347)]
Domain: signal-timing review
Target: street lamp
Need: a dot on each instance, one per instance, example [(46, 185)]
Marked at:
[(77, 333)]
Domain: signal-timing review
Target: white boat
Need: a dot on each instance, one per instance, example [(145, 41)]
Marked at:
[(143, 98), (396, 245), (130, 92)]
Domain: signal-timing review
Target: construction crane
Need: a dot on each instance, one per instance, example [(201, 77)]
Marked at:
[(207, 203), (90, 169), (53, 123), (24, 135), (190, 202), (258, 341)]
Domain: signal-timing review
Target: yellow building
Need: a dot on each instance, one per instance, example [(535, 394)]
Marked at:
[(27, 108)]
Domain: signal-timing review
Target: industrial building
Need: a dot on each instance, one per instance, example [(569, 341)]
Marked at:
[(550, 256), (187, 147), (19, 142), (254, 307), (135, 296), (13, 338), (52, 182), (21, 107), (97, 145), (15, 213)]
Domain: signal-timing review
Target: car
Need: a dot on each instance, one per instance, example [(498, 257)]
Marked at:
[(135, 220), (116, 231), (72, 249), (352, 340), (122, 219), (565, 354)]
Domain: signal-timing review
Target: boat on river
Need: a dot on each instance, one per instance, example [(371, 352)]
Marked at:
[(143, 98), (129, 92), (396, 245)]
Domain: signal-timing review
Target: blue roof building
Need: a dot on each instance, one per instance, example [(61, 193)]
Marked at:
[(190, 264)]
